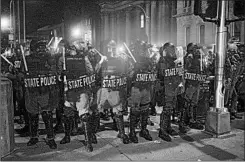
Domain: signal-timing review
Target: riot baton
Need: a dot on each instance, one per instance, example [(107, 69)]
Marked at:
[(50, 41), (129, 52), (64, 67), (64, 59), (10, 63), (98, 52), (24, 59)]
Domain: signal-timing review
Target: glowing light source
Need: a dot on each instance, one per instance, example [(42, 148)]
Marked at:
[(121, 49), (76, 32), (5, 23)]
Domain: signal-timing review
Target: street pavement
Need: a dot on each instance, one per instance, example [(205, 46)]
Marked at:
[(196, 145)]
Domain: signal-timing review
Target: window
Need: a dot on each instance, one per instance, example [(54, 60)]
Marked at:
[(89, 21), (185, 3), (142, 21), (237, 29), (187, 35), (202, 34)]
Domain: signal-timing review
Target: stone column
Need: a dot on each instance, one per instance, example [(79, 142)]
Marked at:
[(106, 26), (242, 34), (173, 23), (159, 23), (137, 25), (102, 31), (153, 22), (113, 25), (166, 26), (118, 30), (128, 27), (147, 21)]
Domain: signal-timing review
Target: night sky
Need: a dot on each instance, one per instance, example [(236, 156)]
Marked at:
[(39, 13)]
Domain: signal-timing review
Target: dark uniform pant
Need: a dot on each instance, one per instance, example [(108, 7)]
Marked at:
[(83, 104), (169, 94), (191, 98), (38, 103), (139, 102), (115, 100)]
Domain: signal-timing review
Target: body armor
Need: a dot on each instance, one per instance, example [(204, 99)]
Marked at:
[(113, 92), (170, 76), (139, 101), (39, 79), (79, 98), (193, 77), (38, 82)]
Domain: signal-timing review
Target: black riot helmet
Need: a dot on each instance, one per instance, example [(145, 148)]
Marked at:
[(170, 50), (191, 48), (41, 46), (33, 45)]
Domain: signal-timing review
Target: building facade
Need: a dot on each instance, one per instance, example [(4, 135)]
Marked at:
[(156, 22), (127, 21), (81, 19), (191, 28)]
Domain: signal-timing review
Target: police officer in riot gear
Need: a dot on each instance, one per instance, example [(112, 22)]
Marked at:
[(192, 85), (58, 90), (114, 95), (20, 91), (78, 96), (140, 98), (171, 80), (38, 80), (234, 68)]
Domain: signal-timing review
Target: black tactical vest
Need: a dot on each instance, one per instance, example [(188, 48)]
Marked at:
[(39, 76), (114, 74)]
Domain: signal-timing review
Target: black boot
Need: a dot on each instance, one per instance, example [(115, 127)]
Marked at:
[(24, 132), (114, 127), (182, 127), (120, 126), (58, 128), (163, 128), (170, 130), (187, 114), (196, 124), (86, 119), (68, 124), (33, 123), (133, 122), (95, 123), (144, 120), (48, 121), (74, 130)]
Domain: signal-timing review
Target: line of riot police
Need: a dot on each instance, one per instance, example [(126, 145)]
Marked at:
[(81, 84)]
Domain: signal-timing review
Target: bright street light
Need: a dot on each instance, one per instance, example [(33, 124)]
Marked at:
[(76, 32), (5, 23)]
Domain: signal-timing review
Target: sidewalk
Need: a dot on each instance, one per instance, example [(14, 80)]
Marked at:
[(195, 145)]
